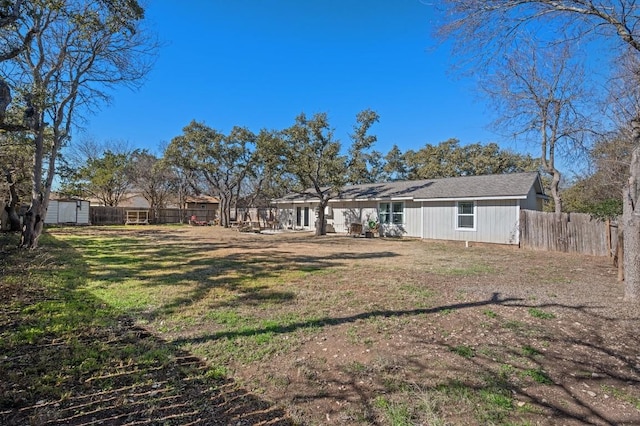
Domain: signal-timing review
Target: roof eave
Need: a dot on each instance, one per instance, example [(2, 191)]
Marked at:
[(502, 197)]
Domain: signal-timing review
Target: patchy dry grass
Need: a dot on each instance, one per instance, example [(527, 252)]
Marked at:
[(334, 330)]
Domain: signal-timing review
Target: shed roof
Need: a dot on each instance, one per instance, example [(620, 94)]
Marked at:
[(202, 199), (513, 185)]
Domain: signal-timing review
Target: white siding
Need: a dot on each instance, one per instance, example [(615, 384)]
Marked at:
[(60, 211), (83, 213), (412, 219), (412, 223), (288, 215), (346, 213), (495, 222), (52, 212)]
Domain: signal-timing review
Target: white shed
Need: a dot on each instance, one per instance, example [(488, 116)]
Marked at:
[(74, 212)]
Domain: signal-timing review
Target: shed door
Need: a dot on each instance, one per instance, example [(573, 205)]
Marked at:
[(67, 212)]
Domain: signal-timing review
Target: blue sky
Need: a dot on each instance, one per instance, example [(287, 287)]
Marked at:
[(260, 63)]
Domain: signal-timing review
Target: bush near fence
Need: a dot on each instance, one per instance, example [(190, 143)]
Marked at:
[(573, 233)]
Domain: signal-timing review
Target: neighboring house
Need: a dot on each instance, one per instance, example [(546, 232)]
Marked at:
[(203, 202), (128, 200), (206, 206), (132, 200), (67, 211), (470, 208)]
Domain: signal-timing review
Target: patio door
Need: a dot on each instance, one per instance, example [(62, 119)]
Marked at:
[(302, 216)]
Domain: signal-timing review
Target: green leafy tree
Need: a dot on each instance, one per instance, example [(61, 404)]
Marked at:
[(311, 155), (108, 178), (14, 42), (449, 159), (364, 164), (218, 163), (265, 179), (394, 165), (434, 161), (586, 196), (312, 161)]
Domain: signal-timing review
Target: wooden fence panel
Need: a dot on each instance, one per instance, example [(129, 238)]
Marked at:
[(573, 233), (101, 215)]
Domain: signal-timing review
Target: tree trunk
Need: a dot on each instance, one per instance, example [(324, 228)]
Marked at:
[(33, 224), (631, 225), (321, 226), (13, 206), (34, 218), (619, 258), (225, 210), (555, 193), (555, 187)]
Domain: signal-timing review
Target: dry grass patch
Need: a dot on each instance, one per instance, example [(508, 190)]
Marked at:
[(342, 330)]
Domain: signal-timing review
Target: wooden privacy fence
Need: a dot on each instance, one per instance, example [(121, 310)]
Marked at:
[(101, 215), (573, 233)]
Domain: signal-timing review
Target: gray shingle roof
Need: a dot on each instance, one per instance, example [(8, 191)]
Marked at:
[(488, 186)]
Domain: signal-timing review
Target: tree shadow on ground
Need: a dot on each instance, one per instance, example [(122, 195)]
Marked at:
[(554, 366), (70, 359), (548, 384), (119, 258)]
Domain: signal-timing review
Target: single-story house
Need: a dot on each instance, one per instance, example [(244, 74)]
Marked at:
[(67, 211), (469, 208)]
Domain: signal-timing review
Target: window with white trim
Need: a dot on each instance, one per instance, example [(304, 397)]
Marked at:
[(466, 215), (391, 213)]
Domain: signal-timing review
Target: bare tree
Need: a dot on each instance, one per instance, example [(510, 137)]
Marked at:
[(483, 30), (77, 50), (154, 178), (539, 94)]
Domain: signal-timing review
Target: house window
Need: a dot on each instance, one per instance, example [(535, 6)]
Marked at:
[(466, 215), (391, 213)]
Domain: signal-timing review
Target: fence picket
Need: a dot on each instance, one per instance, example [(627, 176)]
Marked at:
[(574, 233)]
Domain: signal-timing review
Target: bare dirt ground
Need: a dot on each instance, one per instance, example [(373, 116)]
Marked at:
[(426, 331)]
